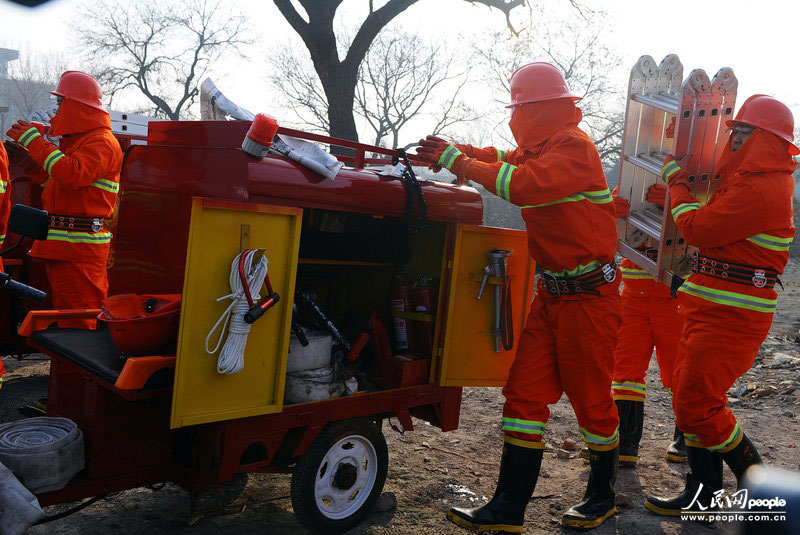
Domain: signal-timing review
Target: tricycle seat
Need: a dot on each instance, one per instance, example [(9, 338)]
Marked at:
[(95, 352)]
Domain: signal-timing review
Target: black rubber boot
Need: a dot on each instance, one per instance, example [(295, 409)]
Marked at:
[(676, 452), (706, 469), (505, 512), (740, 458), (598, 502), (631, 420)]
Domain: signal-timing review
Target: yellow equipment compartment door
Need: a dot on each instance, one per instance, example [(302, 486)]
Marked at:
[(468, 356), (219, 231)]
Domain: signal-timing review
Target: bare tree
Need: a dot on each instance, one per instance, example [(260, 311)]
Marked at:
[(339, 77), (30, 80), (159, 49), (577, 48), (398, 82), (292, 75)]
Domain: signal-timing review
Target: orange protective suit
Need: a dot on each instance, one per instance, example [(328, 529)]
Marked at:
[(649, 319), (5, 207), (748, 220), (556, 177), (80, 178)]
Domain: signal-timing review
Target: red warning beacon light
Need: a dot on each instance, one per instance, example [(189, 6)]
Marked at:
[(260, 136)]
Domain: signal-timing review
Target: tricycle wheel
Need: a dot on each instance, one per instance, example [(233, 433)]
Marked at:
[(337, 481)]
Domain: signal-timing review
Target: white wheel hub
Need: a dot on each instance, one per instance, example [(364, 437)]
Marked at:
[(345, 477)]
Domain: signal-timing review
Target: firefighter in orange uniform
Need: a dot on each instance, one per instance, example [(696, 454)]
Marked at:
[(743, 235), (649, 319), (555, 176), (80, 178), (5, 207)]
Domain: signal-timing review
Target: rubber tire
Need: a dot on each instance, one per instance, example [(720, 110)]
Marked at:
[(305, 473)]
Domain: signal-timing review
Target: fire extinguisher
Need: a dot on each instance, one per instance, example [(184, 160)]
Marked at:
[(423, 298), (400, 301)]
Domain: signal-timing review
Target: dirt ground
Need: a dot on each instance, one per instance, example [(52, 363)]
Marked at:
[(430, 471)]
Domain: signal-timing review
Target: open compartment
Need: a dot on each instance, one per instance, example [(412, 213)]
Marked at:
[(373, 278)]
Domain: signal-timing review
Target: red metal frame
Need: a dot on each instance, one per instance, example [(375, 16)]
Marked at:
[(128, 440), (129, 443)]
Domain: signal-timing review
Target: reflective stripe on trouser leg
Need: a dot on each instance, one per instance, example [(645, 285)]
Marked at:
[(711, 356), (533, 382), (586, 365), (633, 350)]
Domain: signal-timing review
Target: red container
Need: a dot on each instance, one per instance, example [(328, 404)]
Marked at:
[(403, 370), (423, 301)]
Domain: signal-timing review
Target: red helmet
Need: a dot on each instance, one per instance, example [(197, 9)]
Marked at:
[(767, 113), (81, 87), (142, 324), (538, 81)]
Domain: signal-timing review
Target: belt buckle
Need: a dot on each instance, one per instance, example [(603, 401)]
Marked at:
[(550, 283), (97, 225), (759, 278), (609, 273)]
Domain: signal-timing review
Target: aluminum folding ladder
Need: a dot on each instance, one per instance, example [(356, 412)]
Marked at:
[(667, 115)]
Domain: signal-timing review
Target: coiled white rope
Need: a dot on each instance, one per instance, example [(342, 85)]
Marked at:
[(231, 358)]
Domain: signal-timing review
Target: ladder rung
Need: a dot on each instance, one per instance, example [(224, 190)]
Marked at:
[(637, 257), (661, 101), (645, 162), (655, 216), (645, 224)]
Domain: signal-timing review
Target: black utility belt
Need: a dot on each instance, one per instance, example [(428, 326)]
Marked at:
[(80, 223), (746, 274), (586, 283)]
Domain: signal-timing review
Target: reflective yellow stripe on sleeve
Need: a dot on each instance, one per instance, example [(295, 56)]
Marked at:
[(51, 160), (502, 155), (449, 156), (668, 170), (107, 185), (683, 208), (503, 184), (28, 135), (3, 186)]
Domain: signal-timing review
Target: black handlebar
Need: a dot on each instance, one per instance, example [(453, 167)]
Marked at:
[(22, 291)]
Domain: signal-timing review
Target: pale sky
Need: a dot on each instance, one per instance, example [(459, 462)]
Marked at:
[(759, 41)]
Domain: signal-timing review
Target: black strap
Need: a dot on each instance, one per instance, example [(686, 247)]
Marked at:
[(745, 274), (585, 283), (74, 222), (416, 207)]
